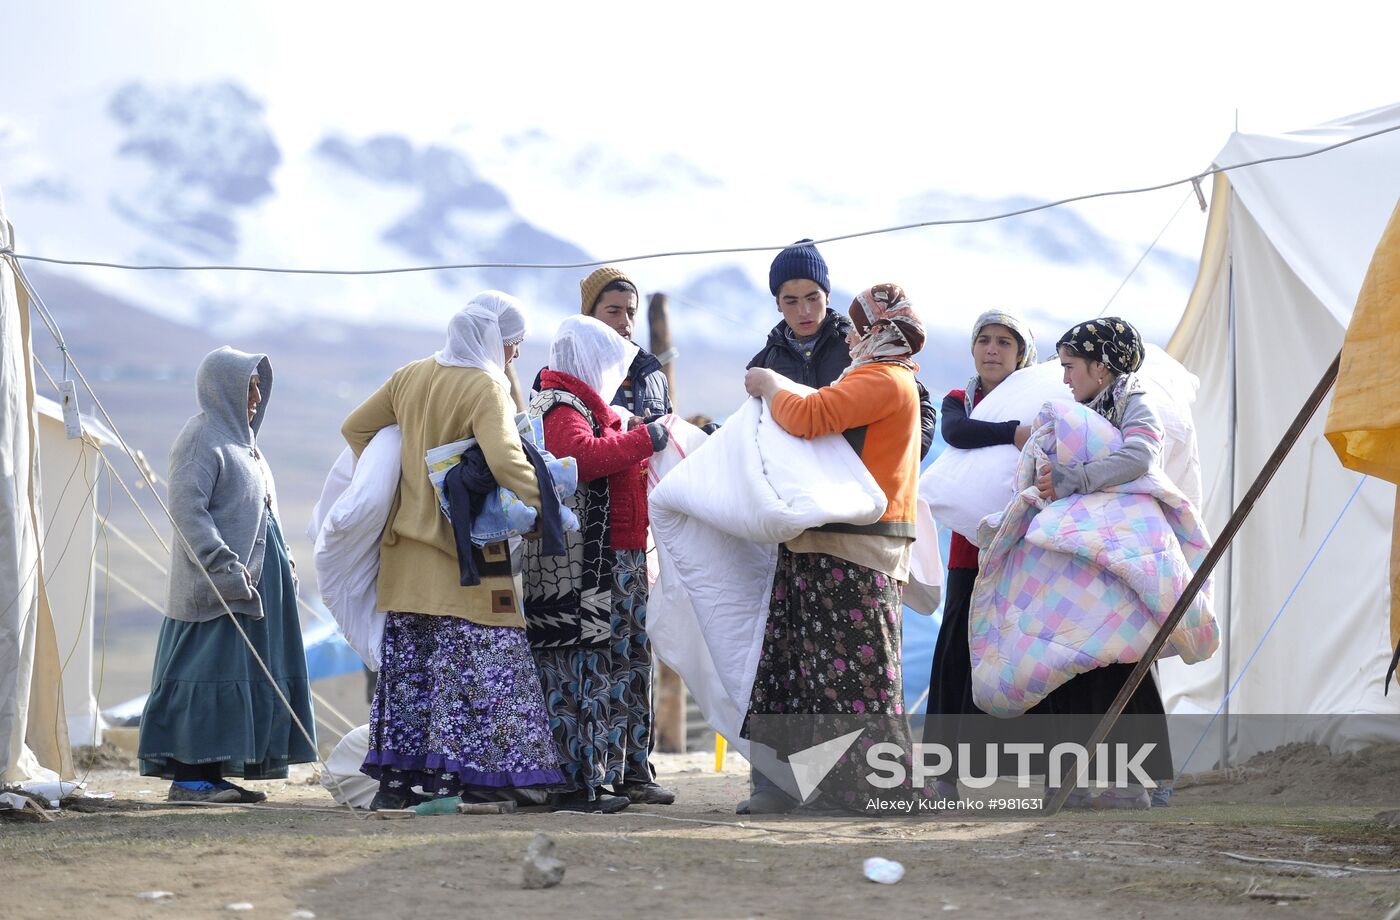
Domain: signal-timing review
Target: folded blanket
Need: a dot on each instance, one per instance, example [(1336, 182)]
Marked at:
[(505, 515), (1084, 581)]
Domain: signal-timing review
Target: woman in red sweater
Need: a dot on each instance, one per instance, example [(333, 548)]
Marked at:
[(1001, 345), (585, 612), (831, 645)]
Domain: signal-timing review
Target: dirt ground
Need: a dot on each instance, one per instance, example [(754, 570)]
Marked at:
[(300, 853)]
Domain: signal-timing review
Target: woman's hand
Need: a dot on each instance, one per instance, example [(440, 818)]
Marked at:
[(1023, 434), (1046, 484), (761, 382)]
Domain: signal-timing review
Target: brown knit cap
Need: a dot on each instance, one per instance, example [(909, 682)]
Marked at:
[(591, 288)]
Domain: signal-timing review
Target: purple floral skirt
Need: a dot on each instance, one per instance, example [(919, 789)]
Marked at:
[(458, 709)]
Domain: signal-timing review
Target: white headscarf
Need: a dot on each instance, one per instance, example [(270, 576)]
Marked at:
[(478, 335), (590, 350)]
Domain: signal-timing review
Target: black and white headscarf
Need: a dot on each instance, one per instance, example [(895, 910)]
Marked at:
[(1115, 343)]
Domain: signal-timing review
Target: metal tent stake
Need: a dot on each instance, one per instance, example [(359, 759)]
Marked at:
[(1222, 543)]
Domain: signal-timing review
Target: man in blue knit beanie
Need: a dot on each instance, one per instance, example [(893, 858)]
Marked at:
[(809, 345)]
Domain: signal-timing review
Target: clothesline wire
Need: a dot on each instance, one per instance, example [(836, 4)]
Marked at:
[(1274, 622), (183, 541), (727, 250)]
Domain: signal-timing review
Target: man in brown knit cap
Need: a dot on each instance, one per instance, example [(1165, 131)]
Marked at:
[(612, 297)]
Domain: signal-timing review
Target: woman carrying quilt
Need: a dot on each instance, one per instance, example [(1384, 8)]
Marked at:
[(458, 708), (586, 611), (1100, 358), (832, 641), (1001, 344)]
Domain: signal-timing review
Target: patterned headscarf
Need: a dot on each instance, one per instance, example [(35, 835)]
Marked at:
[(1110, 339), (1115, 342), (887, 328), (1018, 327)]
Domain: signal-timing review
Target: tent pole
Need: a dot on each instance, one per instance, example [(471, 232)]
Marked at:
[(1188, 597), (1228, 623)]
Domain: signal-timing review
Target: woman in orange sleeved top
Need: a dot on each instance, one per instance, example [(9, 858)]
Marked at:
[(832, 641), (1001, 344)]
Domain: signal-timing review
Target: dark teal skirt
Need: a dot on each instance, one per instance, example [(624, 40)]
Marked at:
[(211, 703)]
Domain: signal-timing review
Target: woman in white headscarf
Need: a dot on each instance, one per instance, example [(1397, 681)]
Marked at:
[(458, 708), (585, 612)]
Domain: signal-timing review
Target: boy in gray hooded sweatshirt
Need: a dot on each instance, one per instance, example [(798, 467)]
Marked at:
[(212, 712)]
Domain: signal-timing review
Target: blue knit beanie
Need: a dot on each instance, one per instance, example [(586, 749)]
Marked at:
[(798, 261)]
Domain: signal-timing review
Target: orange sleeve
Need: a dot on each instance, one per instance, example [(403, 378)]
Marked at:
[(860, 398)]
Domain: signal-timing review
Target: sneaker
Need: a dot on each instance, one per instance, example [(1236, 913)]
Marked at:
[(245, 796), (766, 802), (1123, 799), (579, 801), (646, 793), (199, 790)]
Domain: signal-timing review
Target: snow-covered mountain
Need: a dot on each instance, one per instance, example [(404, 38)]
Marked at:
[(196, 174)]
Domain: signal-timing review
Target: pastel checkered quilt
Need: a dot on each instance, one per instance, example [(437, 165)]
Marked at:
[(1084, 581)]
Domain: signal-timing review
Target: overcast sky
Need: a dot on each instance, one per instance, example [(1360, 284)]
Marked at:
[(1046, 100)]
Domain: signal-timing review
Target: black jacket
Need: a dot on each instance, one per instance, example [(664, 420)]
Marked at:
[(651, 393), (830, 356), (830, 353)]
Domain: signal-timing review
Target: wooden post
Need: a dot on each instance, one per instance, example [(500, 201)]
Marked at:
[(668, 688)]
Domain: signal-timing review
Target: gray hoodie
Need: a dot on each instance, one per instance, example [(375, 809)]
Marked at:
[(221, 491)]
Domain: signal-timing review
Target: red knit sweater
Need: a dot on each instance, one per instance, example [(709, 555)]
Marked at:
[(962, 552), (618, 455)]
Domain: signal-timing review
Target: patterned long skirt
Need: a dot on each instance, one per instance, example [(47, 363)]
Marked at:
[(831, 647), (599, 699), (458, 709)]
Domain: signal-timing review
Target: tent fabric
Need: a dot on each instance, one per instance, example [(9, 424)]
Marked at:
[(1364, 423), (718, 517), (33, 728), (1286, 251)]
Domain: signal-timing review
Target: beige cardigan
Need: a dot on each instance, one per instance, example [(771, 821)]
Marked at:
[(436, 405)]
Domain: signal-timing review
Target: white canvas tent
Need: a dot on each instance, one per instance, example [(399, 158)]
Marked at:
[(33, 730), (1286, 249), (69, 470)]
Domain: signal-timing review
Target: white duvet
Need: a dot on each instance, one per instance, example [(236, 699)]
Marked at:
[(962, 487), (718, 512), (346, 526)]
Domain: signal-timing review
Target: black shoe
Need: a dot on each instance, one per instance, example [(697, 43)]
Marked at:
[(579, 801), (245, 796), (766, 802), (200, 791), (646, 793), (396, 800)]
